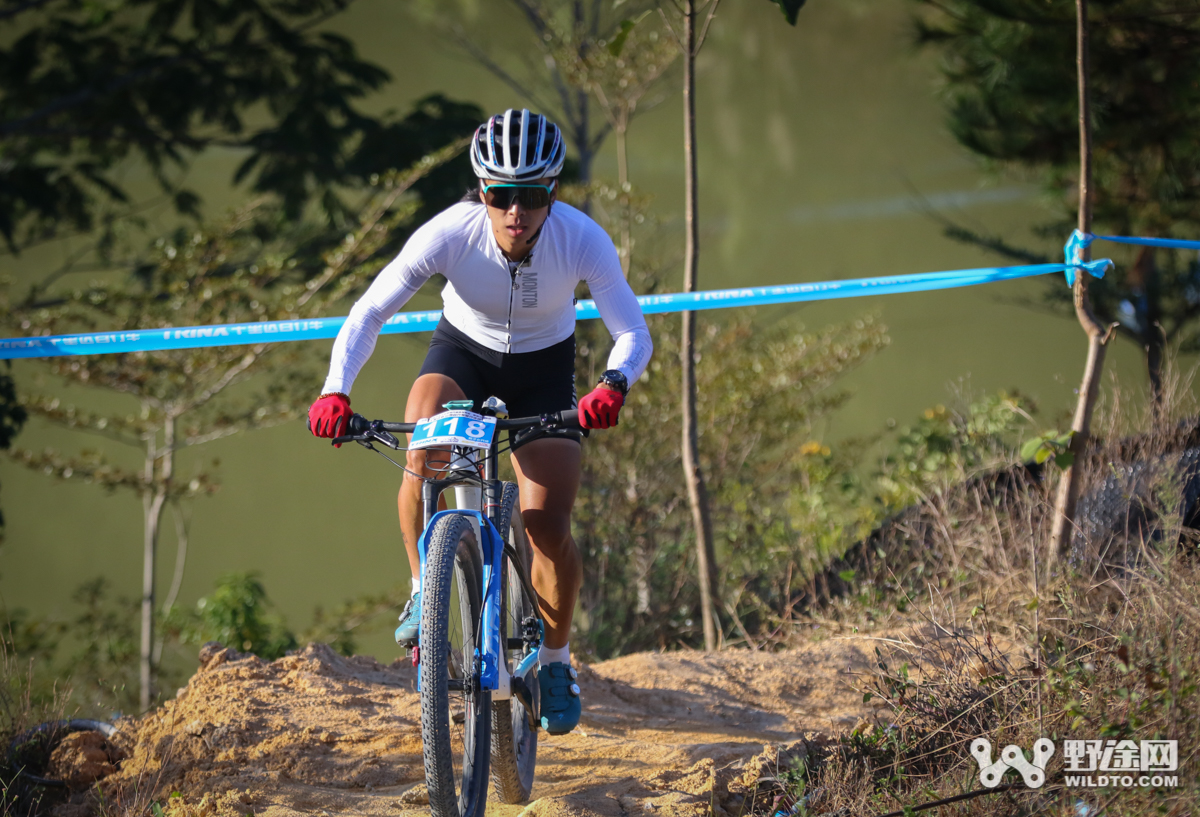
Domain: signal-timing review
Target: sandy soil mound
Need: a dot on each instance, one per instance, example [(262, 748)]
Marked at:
[(316, 732), (82, 758)]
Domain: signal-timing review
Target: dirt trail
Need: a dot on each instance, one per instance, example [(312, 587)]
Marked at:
[(317, 733)]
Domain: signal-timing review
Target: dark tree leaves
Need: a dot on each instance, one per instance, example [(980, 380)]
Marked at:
[(87, 86), (790, 9), (434, 122), (1011, 98), (12, 415)]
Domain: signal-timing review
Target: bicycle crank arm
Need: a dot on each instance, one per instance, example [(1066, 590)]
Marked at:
[(524, 694)]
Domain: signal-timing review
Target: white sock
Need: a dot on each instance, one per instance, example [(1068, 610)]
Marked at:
[(416, 585), (551, 655)]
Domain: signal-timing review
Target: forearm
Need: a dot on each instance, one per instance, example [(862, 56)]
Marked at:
[(389, 292), (353, 347), (631, 352)]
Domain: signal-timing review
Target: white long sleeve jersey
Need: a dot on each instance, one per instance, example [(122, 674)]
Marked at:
[(504, 307)]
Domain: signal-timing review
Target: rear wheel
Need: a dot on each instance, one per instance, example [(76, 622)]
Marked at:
[(514, 739), (455, 712)]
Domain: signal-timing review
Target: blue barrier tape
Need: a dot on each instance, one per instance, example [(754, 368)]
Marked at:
[(241, 334), (1174, 243), (827, 290), (1073, 255)]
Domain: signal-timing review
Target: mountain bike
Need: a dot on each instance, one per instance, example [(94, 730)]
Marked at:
[(480, 624)]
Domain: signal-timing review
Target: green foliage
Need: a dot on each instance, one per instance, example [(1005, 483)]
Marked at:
[(434, 122), (617, 44), (760, 392), (23, 705), (12, 414), (87, 86), (947, 446), (103, 664), (1011, 98), (91, 658), (594, 62), (790, 9), (30, 637), (340, 626), (238, 614), (1049, 445), (256, 266)]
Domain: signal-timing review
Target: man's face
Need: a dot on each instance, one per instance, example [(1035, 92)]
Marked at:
[(515, 225)]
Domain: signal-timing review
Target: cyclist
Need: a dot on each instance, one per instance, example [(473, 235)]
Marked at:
[(512, 256)]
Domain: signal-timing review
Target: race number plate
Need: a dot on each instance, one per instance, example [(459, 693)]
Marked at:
[(465, 428)]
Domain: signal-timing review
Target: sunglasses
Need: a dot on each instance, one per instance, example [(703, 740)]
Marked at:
[(530, 196)]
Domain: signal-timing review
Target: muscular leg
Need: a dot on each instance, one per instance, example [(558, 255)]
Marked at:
[(548, 478), (425, 400)]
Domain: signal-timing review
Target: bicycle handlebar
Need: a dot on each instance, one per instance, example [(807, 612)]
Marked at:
[(359, 426)]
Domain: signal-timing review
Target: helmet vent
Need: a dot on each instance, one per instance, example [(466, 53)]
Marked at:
[(517, 146)]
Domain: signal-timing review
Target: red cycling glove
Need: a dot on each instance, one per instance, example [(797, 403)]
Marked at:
[(329, 415), (599, 408)]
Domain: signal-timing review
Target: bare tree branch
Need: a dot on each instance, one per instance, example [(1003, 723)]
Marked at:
[(237, 428), (349, 252), (521, 88), (228, 378), (712, 10), (670, 28)]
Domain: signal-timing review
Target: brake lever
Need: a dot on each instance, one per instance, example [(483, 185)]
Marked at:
[(366, 431), (385, 437)]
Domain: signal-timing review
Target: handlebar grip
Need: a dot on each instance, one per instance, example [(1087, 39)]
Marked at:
[(569, 418), (356, 426)]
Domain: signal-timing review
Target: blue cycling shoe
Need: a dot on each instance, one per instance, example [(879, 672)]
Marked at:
[(561, 706), (409, 631)]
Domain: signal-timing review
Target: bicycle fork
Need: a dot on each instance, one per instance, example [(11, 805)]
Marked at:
[(490, 670)]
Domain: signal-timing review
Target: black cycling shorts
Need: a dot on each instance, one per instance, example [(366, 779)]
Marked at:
[(529, 383)]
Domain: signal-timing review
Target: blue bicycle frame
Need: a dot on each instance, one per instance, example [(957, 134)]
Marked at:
[(491, 668), (492, 672)]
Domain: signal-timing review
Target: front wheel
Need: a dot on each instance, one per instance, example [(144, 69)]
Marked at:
[(455, 712), (514, 739)]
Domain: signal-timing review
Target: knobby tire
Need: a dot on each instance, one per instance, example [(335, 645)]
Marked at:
[(514, 743), (450, 617)]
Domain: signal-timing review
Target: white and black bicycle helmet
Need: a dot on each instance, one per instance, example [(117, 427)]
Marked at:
[(517, 146)]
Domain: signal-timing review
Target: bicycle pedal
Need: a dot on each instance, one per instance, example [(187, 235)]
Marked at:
[(522, 692), (415, 652)]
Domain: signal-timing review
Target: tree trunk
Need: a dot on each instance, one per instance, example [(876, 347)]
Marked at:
[(626, 248), (1144, 278), (158, 480), (583, 121), (1098, 334), (1155, 347), (693, 475), (181, 548), (643, 554)]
